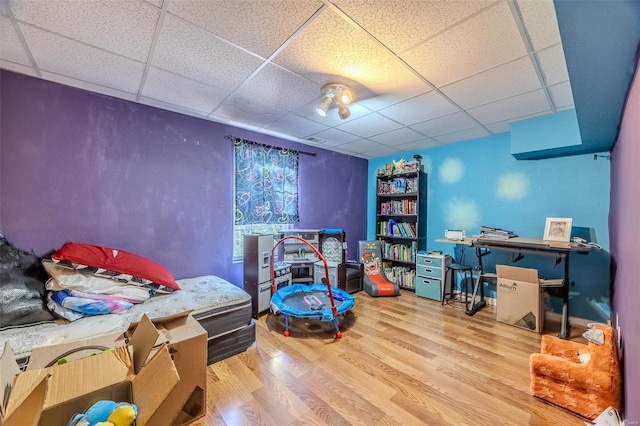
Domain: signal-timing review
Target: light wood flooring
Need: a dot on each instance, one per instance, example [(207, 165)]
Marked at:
[(401, 361)]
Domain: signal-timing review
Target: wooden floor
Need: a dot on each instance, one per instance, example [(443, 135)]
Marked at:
[(401, 361)]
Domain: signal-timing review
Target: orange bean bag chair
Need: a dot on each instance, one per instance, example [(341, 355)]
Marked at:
[(586, 387)]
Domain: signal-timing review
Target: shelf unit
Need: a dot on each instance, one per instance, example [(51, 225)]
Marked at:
[(401, 224)]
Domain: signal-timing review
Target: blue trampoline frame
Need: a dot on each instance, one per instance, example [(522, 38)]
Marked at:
[(279, 305)]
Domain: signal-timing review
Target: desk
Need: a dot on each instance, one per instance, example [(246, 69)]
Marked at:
[(522, 246)]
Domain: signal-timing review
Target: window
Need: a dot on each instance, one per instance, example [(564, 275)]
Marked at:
[(266, 190)]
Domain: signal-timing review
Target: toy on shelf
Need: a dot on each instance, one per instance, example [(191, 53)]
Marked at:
[(106, 413), (398, 166)]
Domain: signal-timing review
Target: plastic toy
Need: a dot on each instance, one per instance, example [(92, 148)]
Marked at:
[(106, 413), (398, 166)]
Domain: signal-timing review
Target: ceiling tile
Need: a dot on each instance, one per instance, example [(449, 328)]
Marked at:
[(463, 135), (497, 83), (11, 48), (175, 89), (500, 127), (561, 95), (540, 22), (369, 125), (329, 47), (121, 26), (156, 3), (244, 110), (333, 137), (482, 42), (382, 152), (447, 124), (418, 145), (190, 51), (296, 126), (363, 145), (397, 137), (420, 108), (79, 61), (280, 88), (402, 23), (389, 83), (268, 30), (553, 65), (517, 106)]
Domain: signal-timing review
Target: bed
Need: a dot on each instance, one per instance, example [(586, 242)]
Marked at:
[(223, 310)]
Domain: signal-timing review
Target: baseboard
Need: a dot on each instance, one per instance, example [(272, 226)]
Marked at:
[(548, 316), (555, 316), (491, 301)]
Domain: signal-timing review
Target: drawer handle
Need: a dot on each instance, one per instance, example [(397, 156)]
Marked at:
[(428, 270)]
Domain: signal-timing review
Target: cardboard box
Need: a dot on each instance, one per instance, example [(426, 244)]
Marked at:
[(520, 300), (21, 395), (169, 386), (187, 343)]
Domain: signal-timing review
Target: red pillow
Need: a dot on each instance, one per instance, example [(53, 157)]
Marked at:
[(85, 255)]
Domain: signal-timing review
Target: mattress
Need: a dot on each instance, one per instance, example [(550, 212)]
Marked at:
[(223, 310)]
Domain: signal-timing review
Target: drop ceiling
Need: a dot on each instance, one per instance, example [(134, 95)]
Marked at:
[(423, 73)]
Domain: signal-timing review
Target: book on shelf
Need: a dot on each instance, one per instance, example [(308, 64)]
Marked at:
[(398, 207), (400, 252), (401, 275), (397, 186)]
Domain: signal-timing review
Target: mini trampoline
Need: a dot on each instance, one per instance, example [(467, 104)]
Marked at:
[(310, 301)]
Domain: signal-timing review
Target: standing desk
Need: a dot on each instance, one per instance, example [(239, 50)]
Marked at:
[(522, 246)]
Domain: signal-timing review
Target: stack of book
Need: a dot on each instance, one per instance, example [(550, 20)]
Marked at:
[(495, 233)]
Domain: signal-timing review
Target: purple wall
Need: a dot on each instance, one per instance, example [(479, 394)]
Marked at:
[(625, 246), (80, 166)]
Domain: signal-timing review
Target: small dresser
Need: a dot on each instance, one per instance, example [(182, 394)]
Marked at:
[(430, 275)]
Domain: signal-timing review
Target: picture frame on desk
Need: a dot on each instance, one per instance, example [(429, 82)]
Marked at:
[(558, 229)]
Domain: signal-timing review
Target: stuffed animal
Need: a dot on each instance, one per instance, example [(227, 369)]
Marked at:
[(398, 165), (106, 413)]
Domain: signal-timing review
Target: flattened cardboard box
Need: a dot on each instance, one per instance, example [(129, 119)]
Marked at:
[(122, 374), (520, 299)]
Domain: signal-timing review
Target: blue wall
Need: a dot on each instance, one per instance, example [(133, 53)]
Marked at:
[(479, 182)]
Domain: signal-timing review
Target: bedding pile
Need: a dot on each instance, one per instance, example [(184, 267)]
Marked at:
[(22, 287), (90, 280)]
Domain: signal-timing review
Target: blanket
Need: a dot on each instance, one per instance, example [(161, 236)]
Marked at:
[(98, 305)]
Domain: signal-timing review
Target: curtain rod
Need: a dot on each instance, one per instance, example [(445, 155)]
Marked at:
[(313, 154)]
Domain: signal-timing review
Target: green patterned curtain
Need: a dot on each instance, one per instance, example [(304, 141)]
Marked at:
[(266, 184)]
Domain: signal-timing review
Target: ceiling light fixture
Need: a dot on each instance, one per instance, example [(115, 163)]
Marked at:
[(342, 96), (324, 106)]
